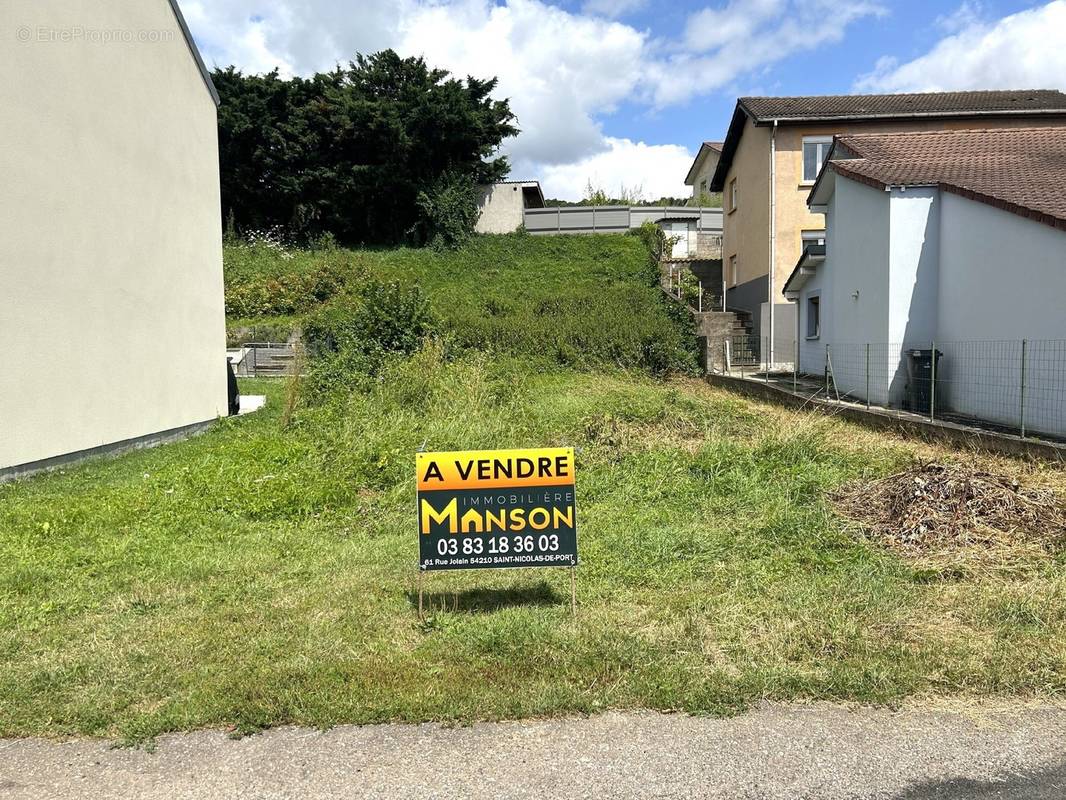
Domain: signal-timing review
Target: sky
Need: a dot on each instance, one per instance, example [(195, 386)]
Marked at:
[(621, 93)]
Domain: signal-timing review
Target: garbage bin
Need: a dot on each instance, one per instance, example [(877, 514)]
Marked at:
[(233, 393), (920, 379)]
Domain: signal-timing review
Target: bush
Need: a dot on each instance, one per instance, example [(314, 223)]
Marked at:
[(352, 338), (292, 294), (448, 211), (381, 317), (654, 239)]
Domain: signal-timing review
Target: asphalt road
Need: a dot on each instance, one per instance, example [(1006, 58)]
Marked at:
[(776, 751)]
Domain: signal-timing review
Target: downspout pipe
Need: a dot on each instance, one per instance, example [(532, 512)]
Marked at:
[(773, 245)]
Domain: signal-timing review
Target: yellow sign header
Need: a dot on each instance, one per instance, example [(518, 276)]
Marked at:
[(495, 469)]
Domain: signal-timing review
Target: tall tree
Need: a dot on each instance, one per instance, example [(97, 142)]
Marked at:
[(359, 151)]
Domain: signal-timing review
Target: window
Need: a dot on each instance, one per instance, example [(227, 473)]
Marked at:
[(703, 188), (733, 270), (733, 196), (814, 322), (815, 151), (811, 237)]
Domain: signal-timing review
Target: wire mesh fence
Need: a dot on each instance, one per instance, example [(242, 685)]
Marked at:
[(1014, 386)]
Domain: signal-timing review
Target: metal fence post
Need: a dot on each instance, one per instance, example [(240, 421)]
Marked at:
[(827, 373), (728, 357), (766, 358), (867, 375), (795, 364), (1021, 409), (932, 382), (699, 285)]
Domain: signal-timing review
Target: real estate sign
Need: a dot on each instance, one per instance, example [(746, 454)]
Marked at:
[(496, 508)]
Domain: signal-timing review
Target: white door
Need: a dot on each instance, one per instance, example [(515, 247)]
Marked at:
[(678, 231)]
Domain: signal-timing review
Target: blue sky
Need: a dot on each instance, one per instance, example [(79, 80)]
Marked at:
[(621, 92), (908, 30)]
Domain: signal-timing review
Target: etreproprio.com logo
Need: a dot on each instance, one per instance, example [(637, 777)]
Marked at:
[(79, 33)]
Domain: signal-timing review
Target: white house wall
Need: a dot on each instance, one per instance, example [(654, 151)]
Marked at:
[(1002, 279), (853, 285), (111, 296), (914, 251)]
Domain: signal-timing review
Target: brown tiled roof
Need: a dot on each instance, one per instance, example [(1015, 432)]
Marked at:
[(925, 105), (862, 106), (714, 146), (1022, 170)]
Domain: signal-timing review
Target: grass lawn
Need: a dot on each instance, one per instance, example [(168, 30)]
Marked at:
[(256, 575), (265, 573), (577, 300)]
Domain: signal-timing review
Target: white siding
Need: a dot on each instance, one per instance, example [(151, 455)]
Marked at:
[(853, 285), (1002, 279), (912, 287), (112, 317)]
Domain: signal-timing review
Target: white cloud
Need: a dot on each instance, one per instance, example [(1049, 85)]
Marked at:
[(556, 89), (1026, 50), (722, 44), (962, 17), (562, 71), (656, 170)]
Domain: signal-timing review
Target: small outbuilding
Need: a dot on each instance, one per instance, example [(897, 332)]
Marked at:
[(501, 207), (111, 299)]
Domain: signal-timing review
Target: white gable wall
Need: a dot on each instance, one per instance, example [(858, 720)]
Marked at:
[(112, 317), (1002, 279), (1002, 276)]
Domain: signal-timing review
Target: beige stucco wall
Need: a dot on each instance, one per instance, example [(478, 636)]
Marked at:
[(111, 299), (703, 174), (745, 230), (500, 208)]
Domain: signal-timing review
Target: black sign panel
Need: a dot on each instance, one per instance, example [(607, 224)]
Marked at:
[(499, 508)]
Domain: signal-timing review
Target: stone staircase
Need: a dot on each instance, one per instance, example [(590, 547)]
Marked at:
[(266, 360)]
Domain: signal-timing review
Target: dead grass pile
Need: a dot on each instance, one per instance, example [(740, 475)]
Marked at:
[(936, 507)]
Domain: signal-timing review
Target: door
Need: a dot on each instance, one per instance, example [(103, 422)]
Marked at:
[(678, 231)]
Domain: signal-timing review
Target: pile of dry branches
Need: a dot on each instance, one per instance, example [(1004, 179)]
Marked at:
[(933, 506)]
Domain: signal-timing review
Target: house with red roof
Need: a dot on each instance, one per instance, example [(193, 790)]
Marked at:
[(945, 251)]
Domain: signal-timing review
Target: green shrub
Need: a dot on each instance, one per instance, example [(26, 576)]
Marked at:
[(295, 293), (379, 317), (352, 338), (448, 211), (654, 240)]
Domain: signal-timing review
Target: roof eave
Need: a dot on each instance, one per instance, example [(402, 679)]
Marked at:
[(1021, 112), (805, 269), (204, 73), (729, 147)]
